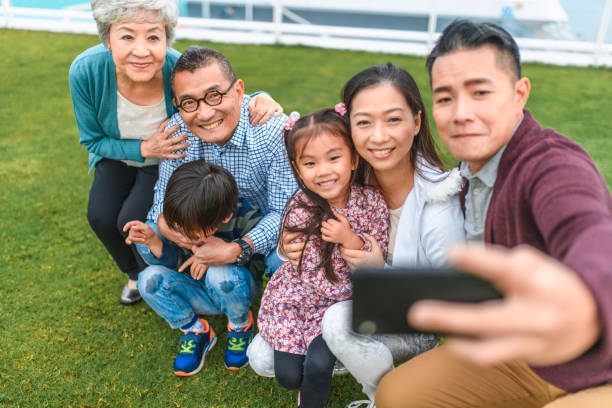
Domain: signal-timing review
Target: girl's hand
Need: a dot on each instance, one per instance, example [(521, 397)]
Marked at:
[(339, 232), (335, 231), (162, 146), (357, 258), (291, 245), (197, 270), (140, 233), (261, 107)]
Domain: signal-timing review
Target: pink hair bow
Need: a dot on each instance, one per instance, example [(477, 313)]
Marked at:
[(340, 108), (290, 122)]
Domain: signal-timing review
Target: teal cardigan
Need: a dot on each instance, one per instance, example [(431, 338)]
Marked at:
[(93, 87)]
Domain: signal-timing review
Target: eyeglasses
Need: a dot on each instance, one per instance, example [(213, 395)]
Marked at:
[(211, 98)]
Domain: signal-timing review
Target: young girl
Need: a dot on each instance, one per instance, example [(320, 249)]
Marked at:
[(332, 213)]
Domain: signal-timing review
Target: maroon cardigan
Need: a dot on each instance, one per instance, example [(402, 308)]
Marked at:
[(550, 195)]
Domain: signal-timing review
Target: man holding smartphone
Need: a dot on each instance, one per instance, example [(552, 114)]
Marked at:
[(548, 343)]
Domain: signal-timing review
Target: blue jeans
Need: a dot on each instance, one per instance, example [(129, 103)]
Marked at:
[(177, 297)]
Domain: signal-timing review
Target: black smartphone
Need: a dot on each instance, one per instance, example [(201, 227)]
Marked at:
[(382, 296)]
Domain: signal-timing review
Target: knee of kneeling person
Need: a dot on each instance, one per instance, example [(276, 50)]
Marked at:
[(261, 357), (225, 279), (395, 391), (335, 324), (291, 380), (319, 364), (385, 395), (150, 280), (100, 220)]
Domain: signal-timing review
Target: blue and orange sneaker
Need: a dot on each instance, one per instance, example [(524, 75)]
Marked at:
[(237, 342), (194, 348)]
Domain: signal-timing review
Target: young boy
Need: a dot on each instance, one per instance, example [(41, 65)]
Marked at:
[(201, 204)]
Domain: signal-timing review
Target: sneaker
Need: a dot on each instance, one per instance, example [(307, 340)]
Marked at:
[(129, 296), (361, 403), (237, 342), (194, 348)]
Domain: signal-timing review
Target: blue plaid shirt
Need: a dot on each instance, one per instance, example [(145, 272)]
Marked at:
[(256, 157)]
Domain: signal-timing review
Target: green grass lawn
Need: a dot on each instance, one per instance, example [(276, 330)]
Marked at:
[(64, 338)]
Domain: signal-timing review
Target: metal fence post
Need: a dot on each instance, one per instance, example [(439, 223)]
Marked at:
[(601, 34)]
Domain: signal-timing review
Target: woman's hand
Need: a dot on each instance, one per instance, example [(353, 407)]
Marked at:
[(261, 107), (357, 258), (292, 250), (162, 146)]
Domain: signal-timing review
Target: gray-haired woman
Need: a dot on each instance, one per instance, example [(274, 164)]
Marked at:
[(122, 97)]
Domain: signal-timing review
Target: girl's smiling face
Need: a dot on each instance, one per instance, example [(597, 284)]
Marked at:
[(325, 163)]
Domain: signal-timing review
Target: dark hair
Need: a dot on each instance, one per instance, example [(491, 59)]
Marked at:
[(423, 144), (196, 57), (466, 34), (316, 123), (199, 197)]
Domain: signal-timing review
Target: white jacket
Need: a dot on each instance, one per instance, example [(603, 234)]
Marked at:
[(431, 221)]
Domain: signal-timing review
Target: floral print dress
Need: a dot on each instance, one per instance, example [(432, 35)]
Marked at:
[(293, 305)]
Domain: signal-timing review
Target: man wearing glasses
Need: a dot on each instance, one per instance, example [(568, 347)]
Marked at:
[(213, 113)]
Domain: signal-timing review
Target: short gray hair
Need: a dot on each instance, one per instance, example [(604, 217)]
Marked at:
[(107, 12)]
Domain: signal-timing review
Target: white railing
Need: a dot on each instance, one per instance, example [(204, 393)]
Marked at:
[(277, 32)]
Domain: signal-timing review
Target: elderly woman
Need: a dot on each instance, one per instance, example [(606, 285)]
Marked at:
[(122, 97)]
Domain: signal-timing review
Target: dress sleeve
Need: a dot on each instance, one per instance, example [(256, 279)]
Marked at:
[(296, 216)]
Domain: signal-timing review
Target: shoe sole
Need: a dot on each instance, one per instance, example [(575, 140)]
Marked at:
[(197, 370), (130, 303), (237, 368)]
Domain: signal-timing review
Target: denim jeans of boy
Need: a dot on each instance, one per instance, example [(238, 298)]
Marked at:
[(177, 297)]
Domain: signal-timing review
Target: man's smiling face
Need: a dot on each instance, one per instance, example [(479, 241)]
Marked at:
[(212, 124), (477, 102)]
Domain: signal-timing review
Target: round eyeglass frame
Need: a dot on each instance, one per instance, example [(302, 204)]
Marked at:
[(215, 93)]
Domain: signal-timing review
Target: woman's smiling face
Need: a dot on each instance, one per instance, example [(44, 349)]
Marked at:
[(138, 49), (383, 126)]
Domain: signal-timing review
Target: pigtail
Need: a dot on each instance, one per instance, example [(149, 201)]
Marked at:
[(318, 211)]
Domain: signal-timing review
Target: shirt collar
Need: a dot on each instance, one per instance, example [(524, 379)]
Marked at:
[(488, 173)]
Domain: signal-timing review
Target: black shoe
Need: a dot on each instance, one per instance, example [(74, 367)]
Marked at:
[(129, 296)]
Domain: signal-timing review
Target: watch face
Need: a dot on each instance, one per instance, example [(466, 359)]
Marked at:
[(246, 253)]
